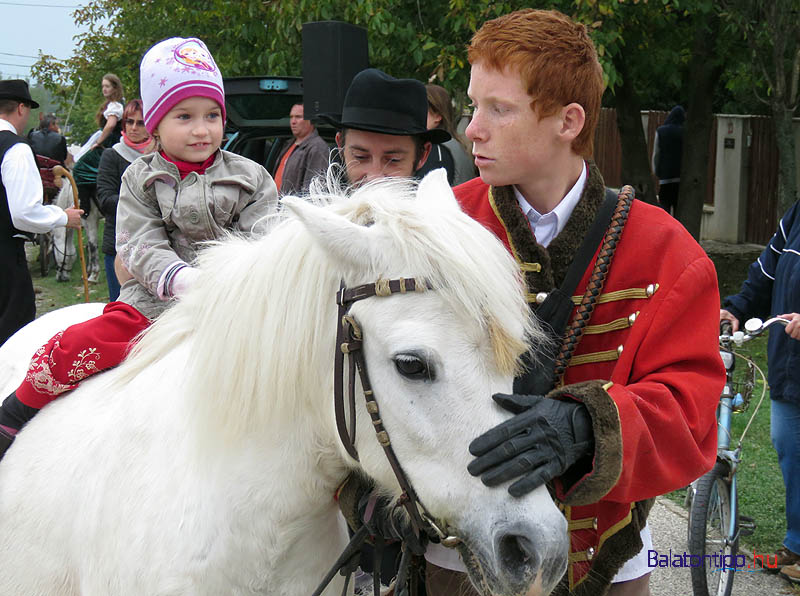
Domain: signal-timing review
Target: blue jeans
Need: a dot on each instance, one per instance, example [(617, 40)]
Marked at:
[(785, 427), (111, 278)]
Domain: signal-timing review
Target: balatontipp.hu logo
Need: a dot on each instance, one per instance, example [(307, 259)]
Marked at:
[(717, 560)]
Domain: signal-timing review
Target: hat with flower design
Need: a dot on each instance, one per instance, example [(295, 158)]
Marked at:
[(176, 69)]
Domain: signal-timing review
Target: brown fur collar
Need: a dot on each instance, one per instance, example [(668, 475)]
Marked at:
[(555, 259)]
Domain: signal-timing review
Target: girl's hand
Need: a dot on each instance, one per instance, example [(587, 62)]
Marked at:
[(793, 328)]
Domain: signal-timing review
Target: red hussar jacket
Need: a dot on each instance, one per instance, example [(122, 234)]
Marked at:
[(647, 367)]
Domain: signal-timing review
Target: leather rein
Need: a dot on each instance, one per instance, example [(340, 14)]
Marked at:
[(349, 342)]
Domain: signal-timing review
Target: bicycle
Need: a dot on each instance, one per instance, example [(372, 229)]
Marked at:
[(715, 524)]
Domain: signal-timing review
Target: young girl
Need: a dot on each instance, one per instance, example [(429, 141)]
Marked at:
[(187, 192), (109, 121)]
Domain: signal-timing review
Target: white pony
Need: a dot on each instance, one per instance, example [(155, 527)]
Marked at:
[(62, 242), (207, 462)]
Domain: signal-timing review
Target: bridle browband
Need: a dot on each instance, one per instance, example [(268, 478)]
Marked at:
[(349, 342)]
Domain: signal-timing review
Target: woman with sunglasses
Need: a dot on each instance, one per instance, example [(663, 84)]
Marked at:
[(135, 142)]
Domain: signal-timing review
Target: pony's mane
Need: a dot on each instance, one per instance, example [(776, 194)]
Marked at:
[(260, 321)]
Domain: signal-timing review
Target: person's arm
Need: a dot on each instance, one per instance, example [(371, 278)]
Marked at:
[(261, 204), (652, 423), (112, 114), (662, 417), (111, 123), (755, 297), (655, 153), (61, 150), (109, 180), (316, 164), (23, 185), (142, 240)]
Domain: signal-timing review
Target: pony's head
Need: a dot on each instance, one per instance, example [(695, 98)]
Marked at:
[(434, 359)]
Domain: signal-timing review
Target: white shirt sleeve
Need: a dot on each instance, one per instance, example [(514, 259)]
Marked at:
[(113, 109), (23, 186)]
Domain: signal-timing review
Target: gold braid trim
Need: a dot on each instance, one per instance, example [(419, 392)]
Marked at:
[(595, 286), (615, 325), (627, 294), (606, 356)]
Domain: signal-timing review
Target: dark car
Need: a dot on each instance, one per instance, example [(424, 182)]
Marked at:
[(258, 116)]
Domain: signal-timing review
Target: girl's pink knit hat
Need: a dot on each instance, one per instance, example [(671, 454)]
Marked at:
[(173, 70)]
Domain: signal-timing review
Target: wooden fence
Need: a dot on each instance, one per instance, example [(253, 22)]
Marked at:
[(762, 167)]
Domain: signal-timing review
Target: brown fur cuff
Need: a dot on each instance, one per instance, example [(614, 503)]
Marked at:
[(606, 466)]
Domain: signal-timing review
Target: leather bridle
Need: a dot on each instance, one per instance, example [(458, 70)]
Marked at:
[(349, 342)]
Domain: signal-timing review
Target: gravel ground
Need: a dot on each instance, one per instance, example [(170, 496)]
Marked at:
[(668, 523)]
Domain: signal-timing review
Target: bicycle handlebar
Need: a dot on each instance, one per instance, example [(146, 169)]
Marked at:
[(753, 328)]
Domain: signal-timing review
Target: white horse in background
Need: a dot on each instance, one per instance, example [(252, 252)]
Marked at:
[(63, 245), (206, 463)]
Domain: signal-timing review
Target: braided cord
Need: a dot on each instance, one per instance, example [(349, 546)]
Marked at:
[(595, 286)]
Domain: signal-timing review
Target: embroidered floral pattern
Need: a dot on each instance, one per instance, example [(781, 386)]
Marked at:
[(40, 374), (85, 365)]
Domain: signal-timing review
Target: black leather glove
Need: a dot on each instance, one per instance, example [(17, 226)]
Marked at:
[(542, 441), (391, 522)]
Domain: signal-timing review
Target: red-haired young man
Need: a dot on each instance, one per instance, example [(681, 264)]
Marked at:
[(631, 416)]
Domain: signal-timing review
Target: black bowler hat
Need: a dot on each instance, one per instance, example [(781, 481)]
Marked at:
[(377, 102), (17, 89)]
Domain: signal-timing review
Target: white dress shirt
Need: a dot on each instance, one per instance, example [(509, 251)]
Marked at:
[(547, 226), (23, 186)]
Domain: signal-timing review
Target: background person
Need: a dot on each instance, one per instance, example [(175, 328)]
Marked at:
[(383, 127), (135, 142), (667, 155), (47, 140), (302, 157), (109, 120), (450, 155), (21, 209), (771, 289)]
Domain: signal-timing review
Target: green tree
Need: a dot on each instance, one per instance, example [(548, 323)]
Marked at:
[(771, 29)]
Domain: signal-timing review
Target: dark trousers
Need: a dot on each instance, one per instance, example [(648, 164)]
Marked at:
[(17, 302), (668, 196)]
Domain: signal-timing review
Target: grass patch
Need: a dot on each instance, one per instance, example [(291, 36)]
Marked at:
[(52, 294)]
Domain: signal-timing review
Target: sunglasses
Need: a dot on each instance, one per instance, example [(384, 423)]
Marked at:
[(131, 122)]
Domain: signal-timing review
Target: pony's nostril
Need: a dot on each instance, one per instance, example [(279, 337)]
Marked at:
[(517, 553)]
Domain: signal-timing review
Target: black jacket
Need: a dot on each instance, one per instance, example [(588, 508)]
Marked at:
[(49, 143), (109, 180)]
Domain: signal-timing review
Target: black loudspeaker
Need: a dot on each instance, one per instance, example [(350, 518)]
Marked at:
[(333, 53)]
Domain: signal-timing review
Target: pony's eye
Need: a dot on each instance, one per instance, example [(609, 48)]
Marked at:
[(413, 367)]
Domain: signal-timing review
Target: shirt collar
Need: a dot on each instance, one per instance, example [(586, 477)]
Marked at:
[(6, 125), (562, 211)]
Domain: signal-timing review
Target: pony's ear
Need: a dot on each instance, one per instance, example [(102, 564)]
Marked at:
[(350, 242), (434, 189)]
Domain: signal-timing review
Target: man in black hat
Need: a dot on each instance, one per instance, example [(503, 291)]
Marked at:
[(383, 127), (21, 208)]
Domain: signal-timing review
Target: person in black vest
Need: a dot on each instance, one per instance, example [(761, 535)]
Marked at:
[(667, 152), (21, 208), (47, 140)]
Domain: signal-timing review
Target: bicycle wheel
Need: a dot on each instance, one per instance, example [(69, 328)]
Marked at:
[(709, 527)]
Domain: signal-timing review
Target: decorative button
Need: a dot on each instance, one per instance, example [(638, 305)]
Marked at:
[(651, 289), (589, 553), (632, 317), (541, 297), (619, 350), (194, 216), (594, 524)]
